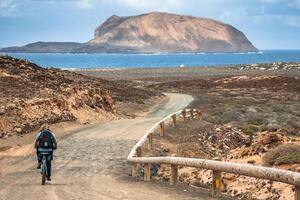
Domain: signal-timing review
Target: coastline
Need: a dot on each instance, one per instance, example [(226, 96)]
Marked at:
[(217, 60)]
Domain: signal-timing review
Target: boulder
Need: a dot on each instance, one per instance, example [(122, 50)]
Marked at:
[(269, 139)]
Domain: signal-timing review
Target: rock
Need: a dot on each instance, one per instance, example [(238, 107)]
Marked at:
[(11, 106), (2, 111), (212, 139), (18, 130), (218, 129), (245, 152), (252, 109), (270, 138), (297, 169), (216, 158), (260, 150), (251, 161)]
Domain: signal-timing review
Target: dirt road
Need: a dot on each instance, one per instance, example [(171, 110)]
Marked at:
[(91, 164)]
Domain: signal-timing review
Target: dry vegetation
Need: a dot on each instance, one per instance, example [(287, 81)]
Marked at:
[(247, 119), (283, 154)]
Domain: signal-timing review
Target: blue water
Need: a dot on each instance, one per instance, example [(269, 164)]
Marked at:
[(157, 60)]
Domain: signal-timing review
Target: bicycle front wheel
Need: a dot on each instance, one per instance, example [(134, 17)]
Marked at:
[(44, 172), (43, 178)]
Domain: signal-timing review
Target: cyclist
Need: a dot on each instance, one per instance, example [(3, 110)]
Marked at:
[(45, 142)]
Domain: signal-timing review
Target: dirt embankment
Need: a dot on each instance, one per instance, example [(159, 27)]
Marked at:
[(247, 119), (31, 95)]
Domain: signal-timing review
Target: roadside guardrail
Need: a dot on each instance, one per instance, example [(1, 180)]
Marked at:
[(136, 159)]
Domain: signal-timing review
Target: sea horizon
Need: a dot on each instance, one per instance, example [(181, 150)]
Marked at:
[(157, 60)]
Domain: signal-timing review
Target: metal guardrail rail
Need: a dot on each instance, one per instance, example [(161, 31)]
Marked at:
[(136, 159)]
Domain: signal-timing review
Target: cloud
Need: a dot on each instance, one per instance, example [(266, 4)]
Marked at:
[(85, 4), (295, 4), (294, 22), (157, 5), (18, 7), (8, 7)]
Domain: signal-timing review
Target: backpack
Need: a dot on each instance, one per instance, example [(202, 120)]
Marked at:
[(45, 139)]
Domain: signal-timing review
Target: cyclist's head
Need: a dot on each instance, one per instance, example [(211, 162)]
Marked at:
[(45, 127)]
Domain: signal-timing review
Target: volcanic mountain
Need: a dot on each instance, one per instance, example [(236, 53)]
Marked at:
[(153, 32)]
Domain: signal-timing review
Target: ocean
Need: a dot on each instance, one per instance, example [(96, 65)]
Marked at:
[(70, 61)]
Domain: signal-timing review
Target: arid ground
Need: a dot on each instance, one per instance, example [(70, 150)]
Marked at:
[(251, 115)]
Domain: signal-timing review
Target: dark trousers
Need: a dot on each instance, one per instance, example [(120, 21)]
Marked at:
[(48, 162)]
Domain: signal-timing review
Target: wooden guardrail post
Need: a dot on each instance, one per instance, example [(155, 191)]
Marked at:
[(297, 192), (216, 184), (184, 115), (147, 172), (150, 141), (174, 120), (134, 166), (134, 170), (192, 113), (174, 174), (139, 152), (162, 128), (199, 113)]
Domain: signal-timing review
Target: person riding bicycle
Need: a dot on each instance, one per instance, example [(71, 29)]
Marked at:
[(45, 142)]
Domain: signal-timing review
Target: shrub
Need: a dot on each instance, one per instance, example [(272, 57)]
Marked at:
[(249, 129), (257, 120), (283, 154), (293, 123)]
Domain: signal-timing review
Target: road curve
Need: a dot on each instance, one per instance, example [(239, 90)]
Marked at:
[(91, 164)]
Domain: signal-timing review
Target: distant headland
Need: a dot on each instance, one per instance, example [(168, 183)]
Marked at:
[(153, 32)]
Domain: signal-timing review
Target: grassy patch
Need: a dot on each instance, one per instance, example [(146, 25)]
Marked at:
[(217, 119), (256, 120), (138, 99), (283, 154), (249, 129)]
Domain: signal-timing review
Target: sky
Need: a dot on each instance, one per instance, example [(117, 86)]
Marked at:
[(268, 24)]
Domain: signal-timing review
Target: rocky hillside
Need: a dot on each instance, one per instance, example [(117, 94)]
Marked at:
[(31, 95), (151, 33), (163, 32)]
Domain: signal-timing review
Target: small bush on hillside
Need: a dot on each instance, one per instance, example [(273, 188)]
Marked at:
[(283, 154), (257, 120), (216, 119), (249, 129), (293, 123)]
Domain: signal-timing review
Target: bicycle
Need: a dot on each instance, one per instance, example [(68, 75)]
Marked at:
[(44, 170)]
